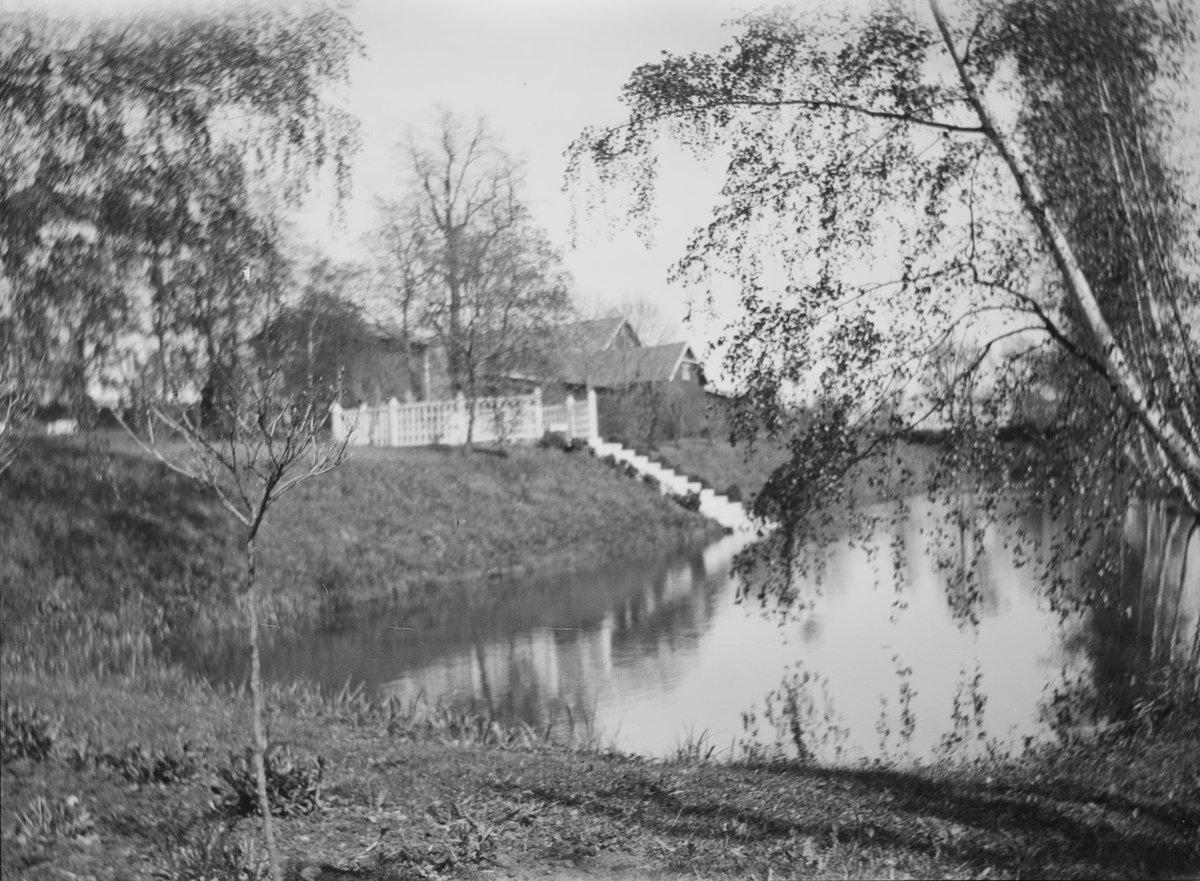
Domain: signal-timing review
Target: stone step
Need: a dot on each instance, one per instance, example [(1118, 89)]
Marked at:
[(731, 515)]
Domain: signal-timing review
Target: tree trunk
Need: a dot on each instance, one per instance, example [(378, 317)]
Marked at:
[(1118, 372), (260, 736), (312, 382)]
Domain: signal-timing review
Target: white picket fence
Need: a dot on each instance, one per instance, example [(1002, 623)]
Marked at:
[(497, 420)]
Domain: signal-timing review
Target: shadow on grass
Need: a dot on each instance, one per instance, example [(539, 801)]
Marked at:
[(1016, 830)]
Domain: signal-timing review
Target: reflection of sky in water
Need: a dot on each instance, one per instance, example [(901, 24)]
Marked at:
[(683, 660), (851, 640), (657, 652)]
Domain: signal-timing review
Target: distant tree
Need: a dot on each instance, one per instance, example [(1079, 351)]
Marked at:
[(320, 341), (913, 261), (646, 317), (403, 269), (465, 261)]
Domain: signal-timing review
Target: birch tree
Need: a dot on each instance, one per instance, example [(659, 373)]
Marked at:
[(135, 156), (963, 225), (135, 159)]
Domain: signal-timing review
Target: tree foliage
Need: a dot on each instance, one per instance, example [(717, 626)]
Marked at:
[(322, 341), (964, 230), (134, 171)]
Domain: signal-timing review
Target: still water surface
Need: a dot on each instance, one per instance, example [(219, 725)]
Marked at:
[(653, 653)]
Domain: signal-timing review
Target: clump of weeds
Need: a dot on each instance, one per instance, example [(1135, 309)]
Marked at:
[(26, 733), (453, 840), (210, 852), (137, 763), (293, 783), (44, 821), (140, 764)]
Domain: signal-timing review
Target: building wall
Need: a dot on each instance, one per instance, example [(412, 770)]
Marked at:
[(650, 413)]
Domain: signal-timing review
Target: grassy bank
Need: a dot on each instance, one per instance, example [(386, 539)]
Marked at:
[(437, 794), (104, 542)]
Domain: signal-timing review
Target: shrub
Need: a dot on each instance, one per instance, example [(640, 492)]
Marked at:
[(689, 502), (26, 733), (556, 440), (733, 492), (553, 440), (293, 783)]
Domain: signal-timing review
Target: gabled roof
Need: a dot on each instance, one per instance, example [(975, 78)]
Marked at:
[(615, 368), (595, 335)]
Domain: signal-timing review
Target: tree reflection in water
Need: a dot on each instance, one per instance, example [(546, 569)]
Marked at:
[(647, 651)]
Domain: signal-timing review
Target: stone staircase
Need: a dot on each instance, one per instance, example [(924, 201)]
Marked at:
[(716, 507)]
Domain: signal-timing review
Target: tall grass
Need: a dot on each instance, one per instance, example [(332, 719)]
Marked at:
[(461, 723), (101, 558)]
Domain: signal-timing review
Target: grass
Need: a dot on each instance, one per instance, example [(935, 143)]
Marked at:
[(103, 552), (721, 465), (435, 793), (392, 520), (118, 765)]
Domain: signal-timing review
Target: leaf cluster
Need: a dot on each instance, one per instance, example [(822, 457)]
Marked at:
[(134, 150)]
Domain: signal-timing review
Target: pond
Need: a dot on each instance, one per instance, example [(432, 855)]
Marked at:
[(651, 655)]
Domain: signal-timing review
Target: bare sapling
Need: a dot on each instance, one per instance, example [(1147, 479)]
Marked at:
[(250, 449)]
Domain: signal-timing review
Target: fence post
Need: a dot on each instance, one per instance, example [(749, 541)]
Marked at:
[(539, 420), (460, 421), (593, 415), (570, 417), (393, 422), (335, 422)]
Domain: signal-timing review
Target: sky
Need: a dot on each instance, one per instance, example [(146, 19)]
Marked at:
[(540, 71)]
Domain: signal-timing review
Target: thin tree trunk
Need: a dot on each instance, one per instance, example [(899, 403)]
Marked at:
[(260, 736), (1183, 572), (1166, 530)]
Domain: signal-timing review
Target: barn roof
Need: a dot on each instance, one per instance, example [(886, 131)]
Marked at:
[(595, 335), (615, 368)]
